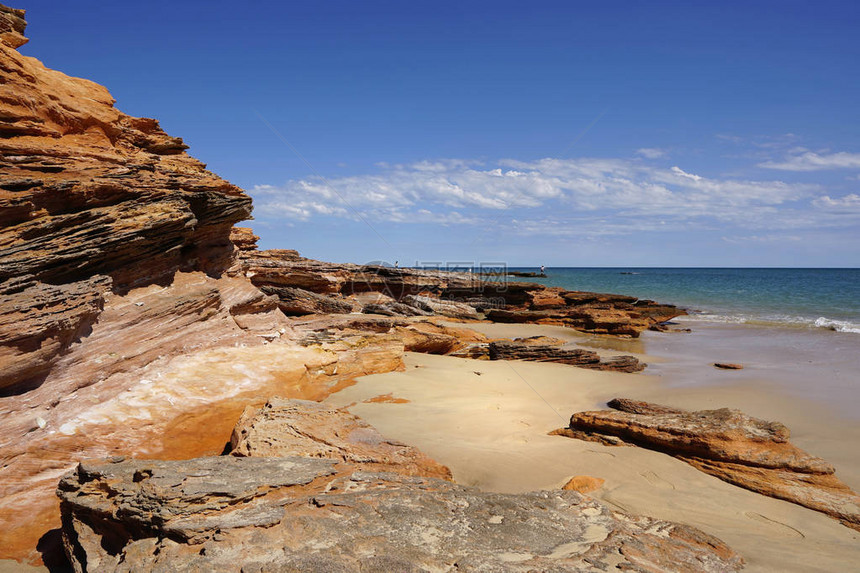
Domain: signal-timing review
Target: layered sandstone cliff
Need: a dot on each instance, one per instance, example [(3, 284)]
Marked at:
[(92, 201)]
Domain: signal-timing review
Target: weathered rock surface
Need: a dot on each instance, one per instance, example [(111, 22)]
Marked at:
[(742, 450), (291, 514), (12, 25), (523, 349), (283, 428)]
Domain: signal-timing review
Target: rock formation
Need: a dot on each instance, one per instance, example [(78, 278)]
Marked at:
[(298, 514), (120, 329), (283, 428), (742, 450), (411, 292), (523, 349), (584, 484), (91, 201)]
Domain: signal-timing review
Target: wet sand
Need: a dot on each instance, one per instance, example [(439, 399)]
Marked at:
[(488, 421)]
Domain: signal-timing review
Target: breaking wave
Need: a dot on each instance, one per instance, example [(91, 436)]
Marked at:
[(821, 322)]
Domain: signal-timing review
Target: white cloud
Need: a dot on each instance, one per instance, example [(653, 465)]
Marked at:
[(680, 172), (812, 161), (746, 239), (652, 152), (846, 204), (572, 197)]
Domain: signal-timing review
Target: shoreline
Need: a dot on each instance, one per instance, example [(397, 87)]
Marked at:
[(490, 429)]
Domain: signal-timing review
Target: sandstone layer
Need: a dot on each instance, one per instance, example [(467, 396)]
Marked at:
[(742, 450), (297, 514)]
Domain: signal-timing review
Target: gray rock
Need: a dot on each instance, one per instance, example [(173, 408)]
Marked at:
[(290, 514)]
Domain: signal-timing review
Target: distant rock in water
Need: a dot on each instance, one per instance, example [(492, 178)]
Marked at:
[(728, 366), (742, 450)]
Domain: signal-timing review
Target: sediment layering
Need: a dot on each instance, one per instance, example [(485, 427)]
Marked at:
[(746, 451), (540, 351)]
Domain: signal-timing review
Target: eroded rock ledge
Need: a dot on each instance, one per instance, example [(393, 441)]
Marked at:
[(316, 512), (749, 452)]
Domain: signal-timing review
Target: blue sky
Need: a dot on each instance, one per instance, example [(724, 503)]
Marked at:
[(558, 133)]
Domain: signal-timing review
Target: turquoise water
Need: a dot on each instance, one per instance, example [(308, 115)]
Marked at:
[(811, 298)]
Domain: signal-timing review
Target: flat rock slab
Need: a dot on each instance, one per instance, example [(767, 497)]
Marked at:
[(284, 427), (751, 453), (369, 522)]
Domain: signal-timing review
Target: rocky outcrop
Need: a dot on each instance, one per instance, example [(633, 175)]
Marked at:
[(283, 428), (300, 302), (91, 200), (742, 450), (129, 321), (584, 484), (293, 514), (409, 292), (12, 25), (540, 351)]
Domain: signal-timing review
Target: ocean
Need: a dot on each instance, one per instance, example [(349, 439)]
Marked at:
[(800, 298), (796, 331)]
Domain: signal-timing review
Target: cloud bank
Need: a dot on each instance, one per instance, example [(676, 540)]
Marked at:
[(553, 197)]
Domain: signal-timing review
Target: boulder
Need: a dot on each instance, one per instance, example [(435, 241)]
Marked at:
[(584, 484)]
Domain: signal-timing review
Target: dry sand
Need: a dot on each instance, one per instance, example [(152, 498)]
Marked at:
[(488, 421)]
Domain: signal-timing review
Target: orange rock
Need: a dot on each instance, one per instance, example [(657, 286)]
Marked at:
[(584, 484), (386, 399), (244, 238)]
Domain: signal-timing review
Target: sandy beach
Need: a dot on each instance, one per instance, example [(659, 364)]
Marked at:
[(488, 421)]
